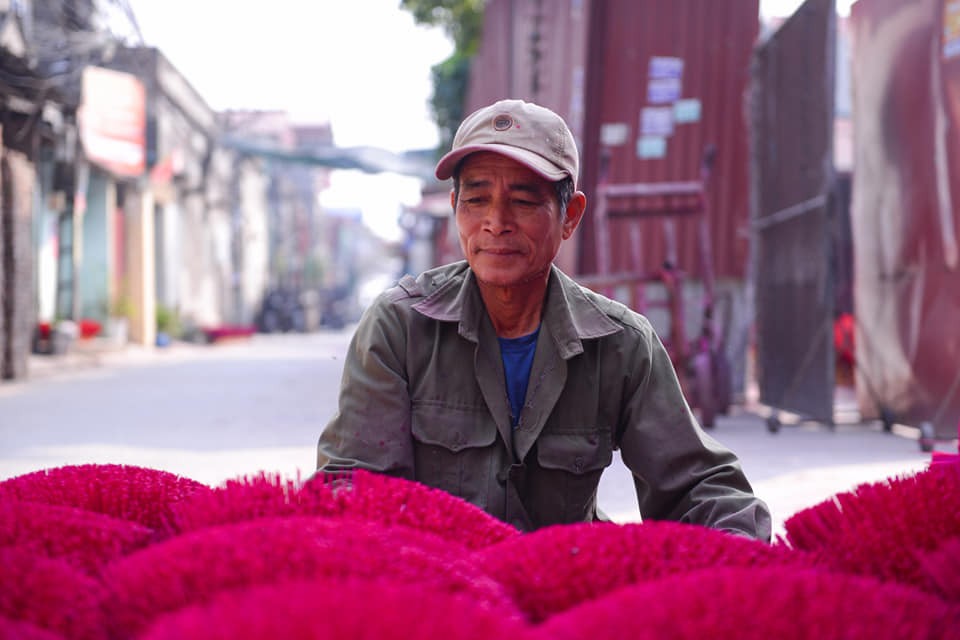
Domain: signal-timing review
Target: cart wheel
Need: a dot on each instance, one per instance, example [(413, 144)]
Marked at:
[(773, 423), (887, 418), (927, 437), (722, 383), (704, 389)]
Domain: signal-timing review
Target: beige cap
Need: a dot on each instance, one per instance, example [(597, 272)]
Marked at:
[(528, 133)]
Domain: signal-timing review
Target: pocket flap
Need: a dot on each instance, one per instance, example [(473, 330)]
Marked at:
[(577, 453), (451, 428)]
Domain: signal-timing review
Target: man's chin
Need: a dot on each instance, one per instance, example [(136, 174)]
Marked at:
[(506, 279)]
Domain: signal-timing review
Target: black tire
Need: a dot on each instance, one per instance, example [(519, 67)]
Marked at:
[(927, 437), (887, 418), (704, 388), (773, 424), (722, 382)]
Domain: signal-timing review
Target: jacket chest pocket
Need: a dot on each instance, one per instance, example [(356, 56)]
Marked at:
[(453, 450), (570, 464)]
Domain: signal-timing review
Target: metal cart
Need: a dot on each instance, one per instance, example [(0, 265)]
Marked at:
[(701, 363)]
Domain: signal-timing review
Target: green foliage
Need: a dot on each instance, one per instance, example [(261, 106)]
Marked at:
[(462, 21), (451, 79), (122, 307), (168, 321)]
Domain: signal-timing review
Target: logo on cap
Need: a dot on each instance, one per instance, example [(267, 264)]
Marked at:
[(502, 122)]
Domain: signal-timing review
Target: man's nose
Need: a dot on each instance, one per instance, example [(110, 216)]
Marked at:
[(499, 218)]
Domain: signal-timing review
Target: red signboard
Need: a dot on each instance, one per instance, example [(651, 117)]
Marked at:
[(112, 118)]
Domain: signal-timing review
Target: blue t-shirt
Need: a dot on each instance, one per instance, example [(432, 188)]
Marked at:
[(517, 355)]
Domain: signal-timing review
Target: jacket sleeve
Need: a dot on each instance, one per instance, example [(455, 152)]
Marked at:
[(371, 429), (680, 472)]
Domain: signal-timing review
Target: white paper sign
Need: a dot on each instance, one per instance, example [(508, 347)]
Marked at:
[(614, 134), (663, 90), (656, 121), (686, 110), (651, 147), (665, 67)]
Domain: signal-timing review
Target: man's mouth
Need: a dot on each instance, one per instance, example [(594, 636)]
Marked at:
[(499, 251)]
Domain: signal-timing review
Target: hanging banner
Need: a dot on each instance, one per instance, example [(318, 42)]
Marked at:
[(112, 119)]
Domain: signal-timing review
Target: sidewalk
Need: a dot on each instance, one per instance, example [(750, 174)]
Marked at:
[(93, 353)]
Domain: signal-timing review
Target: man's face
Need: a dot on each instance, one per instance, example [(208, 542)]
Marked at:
[(509, 221)]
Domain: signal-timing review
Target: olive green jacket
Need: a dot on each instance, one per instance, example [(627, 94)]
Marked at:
[(423, 397)]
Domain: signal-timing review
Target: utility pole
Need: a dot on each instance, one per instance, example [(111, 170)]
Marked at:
[(236, 239), (82, 180)]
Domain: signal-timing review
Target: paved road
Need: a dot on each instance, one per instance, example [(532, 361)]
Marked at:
[(215, 412)]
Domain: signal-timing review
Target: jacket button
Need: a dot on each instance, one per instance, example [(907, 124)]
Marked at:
[(578, 464)]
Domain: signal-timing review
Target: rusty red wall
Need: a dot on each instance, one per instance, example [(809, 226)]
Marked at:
[(714, 40), (535, 50), (589, 61), (906, 190)]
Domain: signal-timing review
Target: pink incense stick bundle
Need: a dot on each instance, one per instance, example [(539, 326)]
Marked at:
[(356, 609), (50, 594), (21, 630), (942, 570), (84, 539), (125, 492), (555, 568), (738, 603), (882, 529), (192, 568), (359, 495)]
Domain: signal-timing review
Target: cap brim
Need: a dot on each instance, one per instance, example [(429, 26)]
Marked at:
[(534, 162)]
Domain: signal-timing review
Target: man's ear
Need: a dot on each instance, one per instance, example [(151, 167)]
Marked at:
[(574, 213), (453, 200)]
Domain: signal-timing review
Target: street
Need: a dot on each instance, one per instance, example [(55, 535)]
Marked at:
[(215, 412)]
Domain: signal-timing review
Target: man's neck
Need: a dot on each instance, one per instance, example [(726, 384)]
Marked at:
[(514, 311)]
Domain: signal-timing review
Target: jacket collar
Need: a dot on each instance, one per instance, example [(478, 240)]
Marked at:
[(570, 314)]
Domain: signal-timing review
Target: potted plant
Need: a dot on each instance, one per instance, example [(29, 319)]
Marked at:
[(168, 325), (118, 320)]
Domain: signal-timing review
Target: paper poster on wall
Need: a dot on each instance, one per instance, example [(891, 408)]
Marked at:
[(614, 134), (656, 121), (951, 29), (664, 80), (686, 110), (651, 147), (663, 90), (665, 67)]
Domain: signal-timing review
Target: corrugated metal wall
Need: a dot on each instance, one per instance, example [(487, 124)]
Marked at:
[(656, 129), (535, 50), (590, 61), (794, 182)]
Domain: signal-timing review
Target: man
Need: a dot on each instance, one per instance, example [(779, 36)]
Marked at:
[(502, 381)]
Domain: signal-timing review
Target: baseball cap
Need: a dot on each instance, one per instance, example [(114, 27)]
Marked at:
[(523, 131)]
